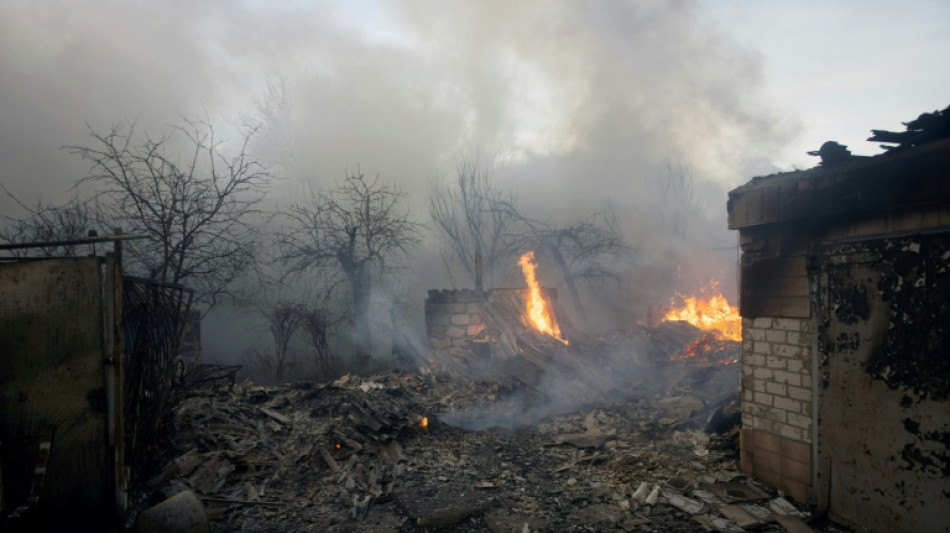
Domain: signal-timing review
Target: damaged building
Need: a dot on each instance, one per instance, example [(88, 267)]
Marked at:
[(845, 293)]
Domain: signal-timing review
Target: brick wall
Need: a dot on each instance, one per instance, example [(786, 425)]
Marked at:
[(777, 404), (453, 318)]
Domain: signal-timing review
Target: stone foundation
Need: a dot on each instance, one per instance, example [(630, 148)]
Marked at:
[(455, 319)]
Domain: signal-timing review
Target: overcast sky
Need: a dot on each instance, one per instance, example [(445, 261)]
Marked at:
[(588, 100), (582, 96)]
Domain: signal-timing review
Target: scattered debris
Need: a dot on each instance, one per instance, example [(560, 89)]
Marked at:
[(355, 455)]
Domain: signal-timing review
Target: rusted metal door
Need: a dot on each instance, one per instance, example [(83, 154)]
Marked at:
[(884, 416)]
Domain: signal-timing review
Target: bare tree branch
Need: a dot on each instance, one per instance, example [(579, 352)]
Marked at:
[(473, 218), (357, 231), (582, 250), (46, 223), (187, 192)]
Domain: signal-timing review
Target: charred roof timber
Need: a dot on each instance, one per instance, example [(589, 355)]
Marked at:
[(910, 178), (928, 127)]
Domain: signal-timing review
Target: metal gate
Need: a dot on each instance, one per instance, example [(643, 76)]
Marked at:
[(152, 321)]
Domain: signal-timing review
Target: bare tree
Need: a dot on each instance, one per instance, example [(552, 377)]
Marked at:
[(189, 194), (582, 250), (283, 320), (677, 200), (317, 323), (275, 114), (357, 230), (474, 220), (48, 223)]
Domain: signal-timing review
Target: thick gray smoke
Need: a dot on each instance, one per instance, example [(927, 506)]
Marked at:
[(589, 102)]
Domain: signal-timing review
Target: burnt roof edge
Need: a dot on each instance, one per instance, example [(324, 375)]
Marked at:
[(894, 180)]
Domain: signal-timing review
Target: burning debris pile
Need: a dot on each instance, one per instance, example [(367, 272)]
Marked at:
[(635, 436), (529, 426), (377, 454)]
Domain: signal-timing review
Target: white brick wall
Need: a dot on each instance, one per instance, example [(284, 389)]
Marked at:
[(776, 376)]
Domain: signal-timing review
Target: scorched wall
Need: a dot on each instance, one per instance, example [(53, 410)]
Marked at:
[(844, 295)]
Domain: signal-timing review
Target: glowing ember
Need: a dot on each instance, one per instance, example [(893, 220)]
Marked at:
[(424, 423), (539, 313), (710, 312), (709, 348)]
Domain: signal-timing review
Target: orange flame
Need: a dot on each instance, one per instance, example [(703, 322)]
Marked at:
[(424, 423), (709, 348), (710, 311), (539, 313)]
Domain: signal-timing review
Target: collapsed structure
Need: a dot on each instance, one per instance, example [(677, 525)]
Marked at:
[(845, 291)]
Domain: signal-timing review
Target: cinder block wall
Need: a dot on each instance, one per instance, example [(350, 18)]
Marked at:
[(453, 318), (777, 404)]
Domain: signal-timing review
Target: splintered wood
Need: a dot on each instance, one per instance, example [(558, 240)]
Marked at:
[(352, 455)]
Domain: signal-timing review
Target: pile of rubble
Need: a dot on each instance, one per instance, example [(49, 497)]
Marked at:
[(389, 454)]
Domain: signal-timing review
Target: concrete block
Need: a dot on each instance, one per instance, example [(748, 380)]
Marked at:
[(768, 477), (791, 378), (787, 350), (794, 365), (768, 441), (799, 393), (794, 286), (763, 373), (794, 338), (762, 322), (776, 388), (763, 398), (474, 329), (752, 421), (796, 451), (788, 324), (755, 334), (746, 464), (762, 348), (775, 362), (755, 359), (767, 460), (790, 432), (785, 404), (775, 335), (795, 307), (777, 416), (797, 491), (799, 421), (460, 320)]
